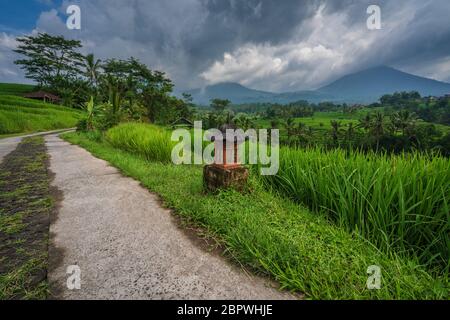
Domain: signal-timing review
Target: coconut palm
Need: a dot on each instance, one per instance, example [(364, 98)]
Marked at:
[(335, 131), (92, 68), (290, 123), (377, 127), (365, 122), (350, 133), (402, 120)]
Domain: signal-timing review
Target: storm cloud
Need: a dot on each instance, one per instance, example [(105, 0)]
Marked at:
[(264, 44)]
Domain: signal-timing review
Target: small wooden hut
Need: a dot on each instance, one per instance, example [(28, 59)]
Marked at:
[(43, 96)]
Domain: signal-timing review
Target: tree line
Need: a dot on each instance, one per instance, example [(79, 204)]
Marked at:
[(116, 89)]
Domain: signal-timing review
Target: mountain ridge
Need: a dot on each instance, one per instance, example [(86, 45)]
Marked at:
[(365, 86)]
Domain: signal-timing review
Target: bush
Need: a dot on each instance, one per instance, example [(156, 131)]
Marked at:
[(149, 141), (82, 125)]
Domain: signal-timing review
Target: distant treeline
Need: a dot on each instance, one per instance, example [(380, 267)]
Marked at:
[(429, 109)]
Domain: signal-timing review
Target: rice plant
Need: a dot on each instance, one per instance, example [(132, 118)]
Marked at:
[(150, 141), (20, 115), (399, 202)]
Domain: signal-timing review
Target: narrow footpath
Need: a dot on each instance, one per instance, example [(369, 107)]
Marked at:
[(125, 244)]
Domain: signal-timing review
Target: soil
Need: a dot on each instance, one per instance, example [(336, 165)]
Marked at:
[(25, 207)]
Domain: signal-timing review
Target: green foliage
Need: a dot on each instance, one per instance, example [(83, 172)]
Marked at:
[(149, 141), (430, 109), (399, 203), (49, 58), (129, 82), (20, 115), (219, 105), (276, 237)]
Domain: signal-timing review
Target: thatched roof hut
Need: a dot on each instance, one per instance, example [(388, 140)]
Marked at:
[(44, 96), (182, 123)]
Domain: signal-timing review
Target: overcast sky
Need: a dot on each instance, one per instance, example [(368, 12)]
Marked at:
[(276, 45)]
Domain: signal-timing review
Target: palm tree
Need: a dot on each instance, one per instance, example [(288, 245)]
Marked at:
[(243, 121), (402, 120), (366, 122), (377, 127), (92, 68), (290, 123), (274, 123), (350, 133), (335, 128)]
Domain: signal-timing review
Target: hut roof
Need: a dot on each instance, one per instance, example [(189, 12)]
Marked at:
[(42, 95), (183, 122)]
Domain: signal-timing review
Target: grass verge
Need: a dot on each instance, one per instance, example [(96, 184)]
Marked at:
[(274, 236), (25, 205)]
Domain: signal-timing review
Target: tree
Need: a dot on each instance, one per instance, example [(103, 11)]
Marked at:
[(350, 133), (155, 91), (131, 81), (290, 126), (335, 131), (274, 123), (92, 68), (402, 120), (377, 128), (219, 105), (366, 122), (49, 59)]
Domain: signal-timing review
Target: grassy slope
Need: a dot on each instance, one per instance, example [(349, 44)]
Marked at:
[(274, 236), (21, 115), (15, 89)]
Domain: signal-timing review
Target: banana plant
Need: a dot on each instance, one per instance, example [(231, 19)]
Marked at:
[(90, 109)]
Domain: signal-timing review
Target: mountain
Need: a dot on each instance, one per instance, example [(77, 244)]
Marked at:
[(369, 85), (238, 94), (362, 87), (231, 91)]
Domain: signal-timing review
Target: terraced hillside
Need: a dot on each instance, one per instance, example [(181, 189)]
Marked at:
[(21, 115)]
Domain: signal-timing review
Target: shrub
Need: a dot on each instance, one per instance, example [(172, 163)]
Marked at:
[(149, 141)]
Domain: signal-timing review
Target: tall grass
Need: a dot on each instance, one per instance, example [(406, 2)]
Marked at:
[(20, 115), (275, 236), (150, 141), (396, 202)]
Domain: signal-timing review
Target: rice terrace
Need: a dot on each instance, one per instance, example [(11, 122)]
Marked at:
[(266, 167)]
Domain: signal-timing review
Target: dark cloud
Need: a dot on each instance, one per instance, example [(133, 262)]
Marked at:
[(266, 44)]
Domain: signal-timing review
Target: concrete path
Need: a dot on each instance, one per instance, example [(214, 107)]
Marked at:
[(126, 245), (8, 145)]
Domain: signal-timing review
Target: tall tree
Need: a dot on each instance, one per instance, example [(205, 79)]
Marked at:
[(402, 120), (335, 131), (290, 127), (92, 68), (219, 105), (377, 128), (49, 59)]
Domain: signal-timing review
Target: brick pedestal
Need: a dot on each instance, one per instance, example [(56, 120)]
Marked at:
[(219, 177)]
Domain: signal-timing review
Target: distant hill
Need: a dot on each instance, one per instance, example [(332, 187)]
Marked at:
[(363, 87), (229, 90), (369, 85), (238, 94)]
